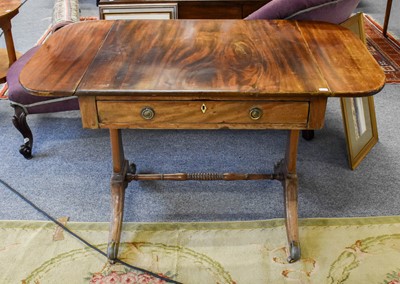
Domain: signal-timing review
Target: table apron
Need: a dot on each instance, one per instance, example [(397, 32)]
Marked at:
[(203, 114)]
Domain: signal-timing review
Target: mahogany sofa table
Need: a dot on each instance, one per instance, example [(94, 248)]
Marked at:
[(197, 74)]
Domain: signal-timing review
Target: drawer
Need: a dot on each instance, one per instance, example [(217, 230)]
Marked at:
[(161, 113), (210, 10)]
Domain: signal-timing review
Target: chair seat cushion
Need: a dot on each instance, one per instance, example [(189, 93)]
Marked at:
[(34, 104), (332, 11)]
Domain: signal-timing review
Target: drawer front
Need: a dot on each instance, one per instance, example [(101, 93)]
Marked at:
[(156, 114), (210, 10)]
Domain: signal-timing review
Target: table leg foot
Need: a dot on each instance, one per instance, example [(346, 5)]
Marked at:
[(291, 217), (118, 185), (294, 252), (287, 170), (117, 197), (290, 188), (112, 252), (291, 208)]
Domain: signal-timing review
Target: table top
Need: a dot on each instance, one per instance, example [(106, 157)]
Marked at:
[(9, 7), (203, 57)]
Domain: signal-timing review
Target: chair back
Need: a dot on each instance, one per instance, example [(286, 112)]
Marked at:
[(332, 11)]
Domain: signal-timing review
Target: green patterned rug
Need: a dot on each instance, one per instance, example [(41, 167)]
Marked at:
[(354, 250)]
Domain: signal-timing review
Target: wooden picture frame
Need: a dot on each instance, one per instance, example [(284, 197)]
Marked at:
[(360, 127), (150, 11), (359, 116)]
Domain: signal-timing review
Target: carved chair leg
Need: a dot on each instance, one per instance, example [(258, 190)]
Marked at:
[(19, 121)]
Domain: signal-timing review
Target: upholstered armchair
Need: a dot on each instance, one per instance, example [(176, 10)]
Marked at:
[(332, 11), (64, 13)]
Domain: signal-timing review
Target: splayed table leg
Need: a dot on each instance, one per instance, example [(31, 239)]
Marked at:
[(118, 185), (287, 167)]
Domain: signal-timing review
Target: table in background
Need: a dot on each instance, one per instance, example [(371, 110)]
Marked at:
[(203, 74), (178, 9), (8, 9)]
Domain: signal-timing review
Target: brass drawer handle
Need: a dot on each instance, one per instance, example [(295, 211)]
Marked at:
[(147, 113), (255, 113)]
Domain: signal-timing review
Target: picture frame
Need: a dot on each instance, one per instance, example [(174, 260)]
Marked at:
[(360, 127), (359, 116), (150, 11)]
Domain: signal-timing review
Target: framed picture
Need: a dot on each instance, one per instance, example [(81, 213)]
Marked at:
[(358, 113), (150, 11), (360, 127), (356, 24)]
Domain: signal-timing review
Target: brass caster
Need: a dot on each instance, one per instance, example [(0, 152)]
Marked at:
[(294, 252), (112, 252), (111, 261)]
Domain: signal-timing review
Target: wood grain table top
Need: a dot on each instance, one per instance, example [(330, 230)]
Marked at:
[(194, 57)]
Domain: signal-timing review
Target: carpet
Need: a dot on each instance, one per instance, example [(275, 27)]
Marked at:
[(345, 250), (386, 51)]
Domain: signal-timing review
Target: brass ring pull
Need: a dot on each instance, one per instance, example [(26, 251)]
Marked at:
[(147, 113), (255, 113)]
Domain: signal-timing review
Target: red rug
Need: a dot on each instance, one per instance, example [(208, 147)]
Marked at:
[(386, 51)]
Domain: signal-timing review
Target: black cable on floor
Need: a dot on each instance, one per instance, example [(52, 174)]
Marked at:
[(72, 233), (80, 238)]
